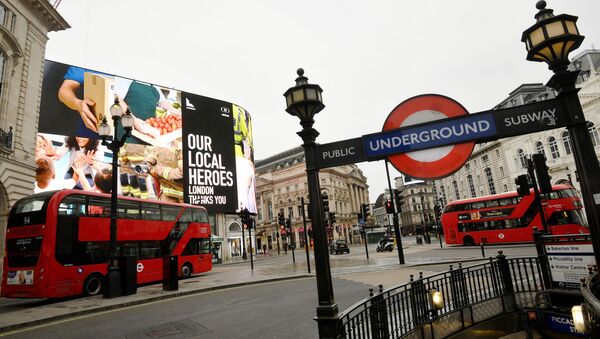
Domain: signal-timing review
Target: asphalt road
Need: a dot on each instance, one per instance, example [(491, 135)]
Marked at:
[(273, 310)]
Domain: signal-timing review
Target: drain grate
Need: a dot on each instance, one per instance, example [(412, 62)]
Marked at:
[(175, 329)]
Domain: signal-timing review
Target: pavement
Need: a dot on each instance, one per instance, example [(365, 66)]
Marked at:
[(15, 314)]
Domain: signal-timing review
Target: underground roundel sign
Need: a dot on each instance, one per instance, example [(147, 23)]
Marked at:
[(434, 162)]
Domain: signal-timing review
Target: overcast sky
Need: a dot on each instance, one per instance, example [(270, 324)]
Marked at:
[(368, 56)]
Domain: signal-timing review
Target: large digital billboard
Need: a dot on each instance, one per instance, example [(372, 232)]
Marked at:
[(184, 147)]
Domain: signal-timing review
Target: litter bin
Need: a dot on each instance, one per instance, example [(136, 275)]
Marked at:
[(419, 240), (427, 238), (170, 276), (128, 271)]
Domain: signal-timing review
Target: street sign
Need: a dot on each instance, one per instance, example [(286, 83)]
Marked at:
[(340, 153), (430, 163), (431, 136), (569, 263), (531, 118)]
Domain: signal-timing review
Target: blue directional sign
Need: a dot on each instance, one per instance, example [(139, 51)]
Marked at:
[(432, 134)]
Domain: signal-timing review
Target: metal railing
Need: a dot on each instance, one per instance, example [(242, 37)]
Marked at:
[(591, 305), (471, 295)]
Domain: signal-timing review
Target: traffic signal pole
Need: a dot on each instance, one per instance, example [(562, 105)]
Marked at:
[(395, 219), (538, 198), (306, 243)]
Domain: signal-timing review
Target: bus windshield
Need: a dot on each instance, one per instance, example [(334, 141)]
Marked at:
[(30, 210)]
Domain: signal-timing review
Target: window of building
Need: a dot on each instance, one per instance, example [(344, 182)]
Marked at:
[(3, 13), (484, 158), (566, 142), (456, 192), (593, 133), (444, 197), (490, 180), (467, 166), (471, 186), (501, 171), (553, 148), (539, 148), (522, 158), (290, 212)]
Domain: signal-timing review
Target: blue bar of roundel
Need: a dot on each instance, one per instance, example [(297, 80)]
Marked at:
[(485, 120)]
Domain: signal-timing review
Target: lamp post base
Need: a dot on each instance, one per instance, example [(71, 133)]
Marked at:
[(112, 286)]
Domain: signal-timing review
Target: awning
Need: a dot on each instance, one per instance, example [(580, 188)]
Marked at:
[(214, 238)]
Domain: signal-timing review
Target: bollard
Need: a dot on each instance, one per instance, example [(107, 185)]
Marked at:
[(170, 270), (482, 245)]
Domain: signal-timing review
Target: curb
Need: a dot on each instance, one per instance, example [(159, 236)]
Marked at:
[(51, 319)]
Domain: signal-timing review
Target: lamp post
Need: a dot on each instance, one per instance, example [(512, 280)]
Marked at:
[(112, 286), (304, 101), (550, 40)]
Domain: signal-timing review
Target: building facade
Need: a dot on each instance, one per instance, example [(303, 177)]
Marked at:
[(24, 26), (280, 186), (493, 166)]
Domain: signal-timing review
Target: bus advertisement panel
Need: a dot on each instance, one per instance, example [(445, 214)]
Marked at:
[(183, 148), (508, 217)]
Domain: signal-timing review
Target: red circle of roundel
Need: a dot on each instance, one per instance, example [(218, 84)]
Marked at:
[(439, 168)]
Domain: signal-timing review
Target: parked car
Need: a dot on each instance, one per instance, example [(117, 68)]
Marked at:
[(339, 246)]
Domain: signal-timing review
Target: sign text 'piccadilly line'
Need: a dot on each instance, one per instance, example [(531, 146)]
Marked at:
[(434, 134)]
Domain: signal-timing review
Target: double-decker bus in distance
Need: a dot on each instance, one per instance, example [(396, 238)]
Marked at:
[(510, 218), (57, 243)]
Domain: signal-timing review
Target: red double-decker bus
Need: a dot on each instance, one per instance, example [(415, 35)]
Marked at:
[(508, 217), (57, 243)]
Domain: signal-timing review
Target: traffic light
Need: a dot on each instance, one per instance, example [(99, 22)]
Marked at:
[(288, 224), (325, 199), (438, 211), (389, 207), (360, 216), (365, 210), (281, 219), (541, 172), (522, 182), (245, 217), (332, 219), (398, 197)]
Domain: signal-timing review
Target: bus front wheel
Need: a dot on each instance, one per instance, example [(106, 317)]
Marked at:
[(186, 270), (468, 241), (92, 284)]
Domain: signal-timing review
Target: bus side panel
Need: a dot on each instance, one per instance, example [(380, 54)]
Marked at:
[(98, 229), (149, 270)]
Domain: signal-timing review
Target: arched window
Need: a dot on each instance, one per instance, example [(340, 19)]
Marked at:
[(490, 180), (553, 148), (566, 142), (444, 197), (539, 148), (2, 62), (522, 158), (471, 186), (501, 171), (593, 133), (456, 192)]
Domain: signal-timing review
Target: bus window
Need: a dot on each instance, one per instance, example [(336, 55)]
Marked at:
[(150, 211), (197, 246), (170, 213), (566, 217), (199, 215), (98, 207), (128, 209), (150, 249), (72, 205), (29, 211), (186, 216), (129, 249)]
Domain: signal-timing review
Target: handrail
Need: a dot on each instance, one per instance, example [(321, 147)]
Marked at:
[(405, 308), (591, 303)]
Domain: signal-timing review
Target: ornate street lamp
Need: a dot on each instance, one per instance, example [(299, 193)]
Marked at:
[(304, 101), (112, 286), (550, 40)]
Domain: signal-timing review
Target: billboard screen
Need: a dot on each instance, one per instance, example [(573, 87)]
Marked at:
[(183, 147)]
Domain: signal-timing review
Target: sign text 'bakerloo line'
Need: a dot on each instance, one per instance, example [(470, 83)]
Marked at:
[(205, 171)]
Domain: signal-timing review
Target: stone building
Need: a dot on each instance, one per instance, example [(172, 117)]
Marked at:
[(493, 166), (24, 27), (280, 185)]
